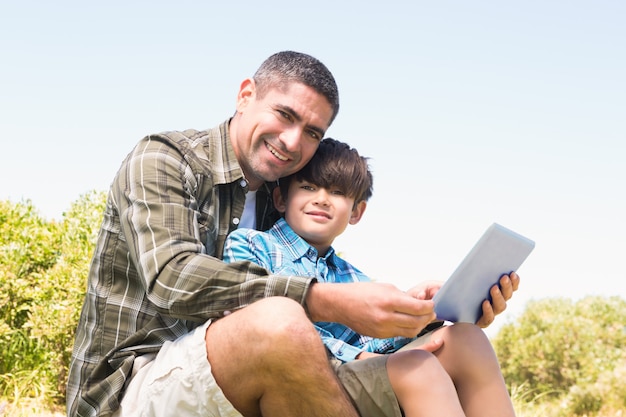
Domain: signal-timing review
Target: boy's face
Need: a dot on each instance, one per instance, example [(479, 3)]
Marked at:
[(318, 214), (277, 134)]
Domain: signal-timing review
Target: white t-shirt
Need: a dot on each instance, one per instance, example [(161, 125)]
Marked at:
[(248, 218)]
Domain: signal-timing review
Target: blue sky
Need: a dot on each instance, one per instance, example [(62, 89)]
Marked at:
[(472, 113)]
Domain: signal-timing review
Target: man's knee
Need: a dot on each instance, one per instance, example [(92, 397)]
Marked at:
[(274, 325), (268, 336), (283, 322)]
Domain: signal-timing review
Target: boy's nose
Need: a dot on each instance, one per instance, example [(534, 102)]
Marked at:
[(321, 197)]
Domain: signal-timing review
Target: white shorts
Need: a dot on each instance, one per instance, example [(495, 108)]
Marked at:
[(178, 382)]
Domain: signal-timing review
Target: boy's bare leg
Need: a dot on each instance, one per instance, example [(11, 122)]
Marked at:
[(269, 360), (469, 358), (422, 386)]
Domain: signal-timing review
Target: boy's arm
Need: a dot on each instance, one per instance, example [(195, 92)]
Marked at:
[(240, 245), (347, 351)]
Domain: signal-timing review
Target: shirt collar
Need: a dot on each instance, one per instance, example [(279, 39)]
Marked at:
[(225, 167), (296, 246)]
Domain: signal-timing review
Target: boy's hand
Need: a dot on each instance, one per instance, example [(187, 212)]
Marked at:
[(432, 345), (500, 294)]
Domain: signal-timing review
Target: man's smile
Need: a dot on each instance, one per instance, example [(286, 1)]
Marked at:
[(276, 153)]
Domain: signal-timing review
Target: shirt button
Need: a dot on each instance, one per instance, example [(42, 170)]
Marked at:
[(243, 183), (236, 221)]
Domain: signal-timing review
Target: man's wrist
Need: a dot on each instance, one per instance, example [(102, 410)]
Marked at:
[(309, 298)]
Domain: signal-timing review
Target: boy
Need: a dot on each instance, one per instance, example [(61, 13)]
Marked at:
[(461, 378)]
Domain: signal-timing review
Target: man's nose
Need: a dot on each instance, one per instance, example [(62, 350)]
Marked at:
[(291, 137)]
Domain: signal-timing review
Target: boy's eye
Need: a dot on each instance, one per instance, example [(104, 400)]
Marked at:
[(338, 192), (307, 187)]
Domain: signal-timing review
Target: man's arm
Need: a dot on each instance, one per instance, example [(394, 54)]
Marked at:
[(382, 310), (369, 308), (159, 194)]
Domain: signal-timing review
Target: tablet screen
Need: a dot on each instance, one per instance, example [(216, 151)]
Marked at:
[(498, 252)]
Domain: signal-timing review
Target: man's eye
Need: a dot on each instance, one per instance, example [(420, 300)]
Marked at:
[(313, 134), (284, 114)]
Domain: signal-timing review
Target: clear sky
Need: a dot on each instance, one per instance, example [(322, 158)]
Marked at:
[(472, 113)]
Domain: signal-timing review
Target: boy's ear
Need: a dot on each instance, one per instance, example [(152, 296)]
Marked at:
[(279, 202), (247, 92), (358, 211)]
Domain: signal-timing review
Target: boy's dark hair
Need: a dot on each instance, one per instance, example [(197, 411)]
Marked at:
[(335, 164), (283, 68)]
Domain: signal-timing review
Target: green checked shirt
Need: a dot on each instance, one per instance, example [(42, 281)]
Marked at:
[(157, 272)]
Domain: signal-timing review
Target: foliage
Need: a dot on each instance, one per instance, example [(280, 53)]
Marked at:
[(571, 353), (43, 267), (28, 248)]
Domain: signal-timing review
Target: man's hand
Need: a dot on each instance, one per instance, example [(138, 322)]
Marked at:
[(370, 308), (500, 294), (425, 290)]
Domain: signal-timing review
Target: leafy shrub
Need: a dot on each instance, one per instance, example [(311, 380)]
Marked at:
[(568, 350), (43, 270), (28, 247)]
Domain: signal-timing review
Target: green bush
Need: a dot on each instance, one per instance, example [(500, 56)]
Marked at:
[(43, 270), (569, 351), (28, 248)]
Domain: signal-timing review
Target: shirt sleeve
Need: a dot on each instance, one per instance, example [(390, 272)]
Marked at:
[(241, 245), (348, 350), (341, 350), (156, 195)]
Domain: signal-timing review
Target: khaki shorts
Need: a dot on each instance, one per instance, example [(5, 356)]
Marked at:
[(178, 382), (367, 381)]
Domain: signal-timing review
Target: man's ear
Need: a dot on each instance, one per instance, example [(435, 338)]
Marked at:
[(247, 92), (279, 201), (358, 211)]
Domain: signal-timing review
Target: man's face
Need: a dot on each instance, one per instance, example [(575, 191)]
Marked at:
[(276, 135)]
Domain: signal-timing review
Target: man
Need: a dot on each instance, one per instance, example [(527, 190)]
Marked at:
[(167, 328)]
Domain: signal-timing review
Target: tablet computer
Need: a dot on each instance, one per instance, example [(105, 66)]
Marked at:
[(498, 252)]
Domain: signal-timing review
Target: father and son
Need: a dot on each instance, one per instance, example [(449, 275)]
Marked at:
[(214, 289)]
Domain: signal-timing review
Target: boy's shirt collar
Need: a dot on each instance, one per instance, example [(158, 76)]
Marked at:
[(295, 245)]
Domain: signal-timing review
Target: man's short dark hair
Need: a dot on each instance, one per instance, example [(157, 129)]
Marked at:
[(286, 67)]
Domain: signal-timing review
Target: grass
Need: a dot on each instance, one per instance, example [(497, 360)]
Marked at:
[(30, 407), (526, 405)]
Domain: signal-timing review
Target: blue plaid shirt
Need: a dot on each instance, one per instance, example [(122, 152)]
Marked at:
[(283, 252)]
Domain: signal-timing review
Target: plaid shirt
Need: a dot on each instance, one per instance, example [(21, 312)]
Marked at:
[(283, 252), (155, 274)]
